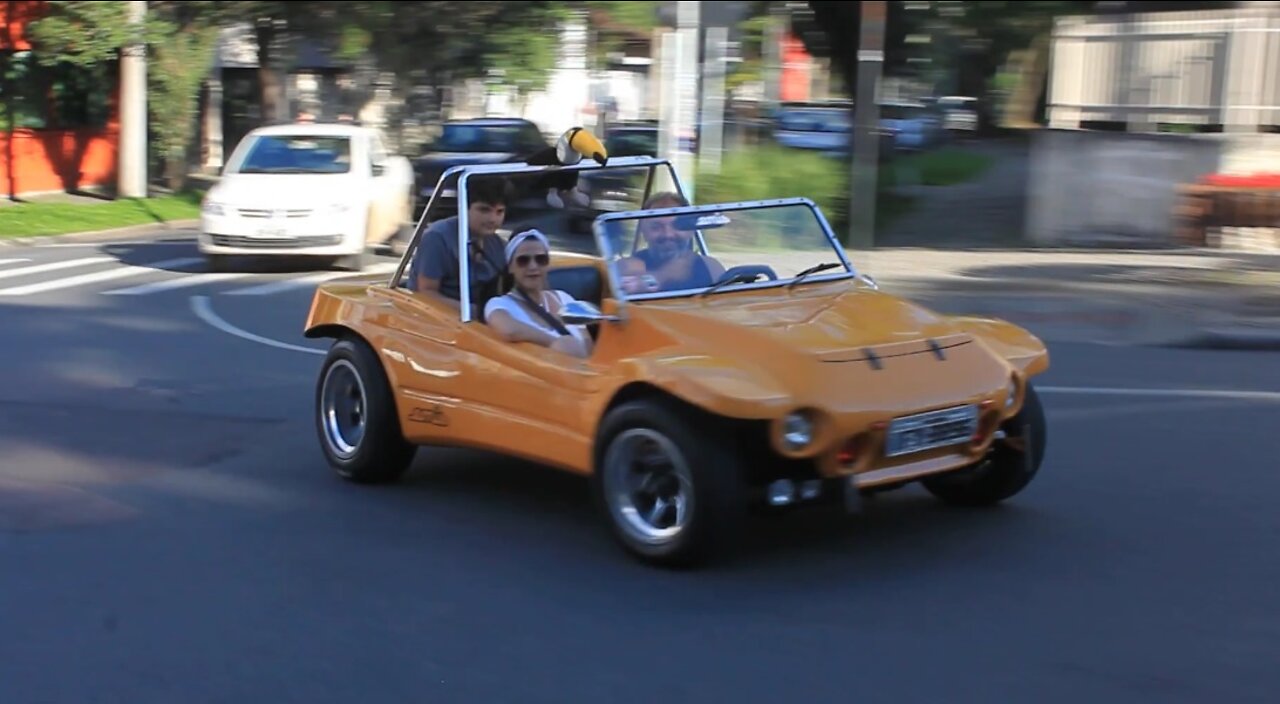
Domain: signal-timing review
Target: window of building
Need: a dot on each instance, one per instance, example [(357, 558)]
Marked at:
[(60, 97)]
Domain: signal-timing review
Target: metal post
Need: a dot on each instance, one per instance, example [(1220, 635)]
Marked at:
[(866, 140), (712, 140), (132, 172), (685, 116)]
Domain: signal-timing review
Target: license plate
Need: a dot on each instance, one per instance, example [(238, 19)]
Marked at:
[(928, 431), (270, 232)]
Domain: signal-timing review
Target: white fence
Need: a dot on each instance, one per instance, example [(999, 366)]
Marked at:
[(1187, 68)]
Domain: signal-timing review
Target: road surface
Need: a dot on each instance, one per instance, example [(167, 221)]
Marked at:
[(170, 532)]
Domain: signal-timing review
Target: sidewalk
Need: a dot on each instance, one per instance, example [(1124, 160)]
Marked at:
[(1196, 298)]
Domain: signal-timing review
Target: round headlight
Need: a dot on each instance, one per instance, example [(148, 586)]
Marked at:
[(797, 431)]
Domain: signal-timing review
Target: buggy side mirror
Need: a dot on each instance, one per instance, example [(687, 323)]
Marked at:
[(583, 313)]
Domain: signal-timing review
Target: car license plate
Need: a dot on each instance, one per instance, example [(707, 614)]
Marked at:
[(927, 431), (270, 232)]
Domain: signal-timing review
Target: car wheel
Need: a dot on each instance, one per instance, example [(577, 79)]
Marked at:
[(218, 263), (353, 262), (1011, 465), (668, 484), (356, 417)]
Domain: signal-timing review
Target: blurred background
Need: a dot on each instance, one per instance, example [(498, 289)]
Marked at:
[(1069, 122)]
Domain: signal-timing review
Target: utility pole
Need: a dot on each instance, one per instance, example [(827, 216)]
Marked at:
[(132, 172), (685, 114), (866, 140)]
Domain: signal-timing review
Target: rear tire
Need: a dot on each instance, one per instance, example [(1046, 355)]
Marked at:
[(1007, 470), (669, 484), (356, 417)]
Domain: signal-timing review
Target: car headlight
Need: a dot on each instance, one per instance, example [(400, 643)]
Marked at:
[(339, 208), (797, 431), (215, 208), (1011, 393)]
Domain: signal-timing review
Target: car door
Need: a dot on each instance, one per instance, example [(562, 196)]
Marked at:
[(531, 398)]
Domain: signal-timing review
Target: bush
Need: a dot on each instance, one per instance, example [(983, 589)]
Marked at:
[(771, 171)]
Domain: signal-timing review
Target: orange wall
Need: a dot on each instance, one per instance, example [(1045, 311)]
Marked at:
[(14, 15), (797, 70), (51, 160), (57, 160)]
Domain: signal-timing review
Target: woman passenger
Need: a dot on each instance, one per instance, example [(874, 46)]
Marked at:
[(529, 312)]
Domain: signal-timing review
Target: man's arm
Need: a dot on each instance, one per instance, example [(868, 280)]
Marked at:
[(430, 289), (431, 262)]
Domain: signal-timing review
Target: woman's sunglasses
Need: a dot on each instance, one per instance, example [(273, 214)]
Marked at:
[(542, 259)]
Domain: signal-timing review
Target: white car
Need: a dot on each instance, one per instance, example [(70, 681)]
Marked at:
[(314, 190)]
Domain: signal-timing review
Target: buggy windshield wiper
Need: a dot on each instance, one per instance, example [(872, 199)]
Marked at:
[(743, 278), (813, 270)]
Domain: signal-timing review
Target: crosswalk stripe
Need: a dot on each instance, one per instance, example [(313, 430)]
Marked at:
[(169, 284), (286, 284), (95, 277), (12, 261), (55, 266)]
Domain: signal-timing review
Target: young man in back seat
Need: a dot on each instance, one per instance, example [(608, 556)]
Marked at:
[(435, 270)]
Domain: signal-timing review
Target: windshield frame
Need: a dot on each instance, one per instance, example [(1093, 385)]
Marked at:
[(467, 171), (612, 258)]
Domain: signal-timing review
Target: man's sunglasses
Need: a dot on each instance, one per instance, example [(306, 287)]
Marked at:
[(542, 259)]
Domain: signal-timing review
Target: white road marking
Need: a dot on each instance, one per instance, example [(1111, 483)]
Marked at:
[(108, 275), (200, 304), (286, 284), (12, 261), (1184, 393), (174, 283), (54, 266)]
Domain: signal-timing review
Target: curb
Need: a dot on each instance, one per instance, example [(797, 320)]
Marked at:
[(90, 236), (1232, 339)]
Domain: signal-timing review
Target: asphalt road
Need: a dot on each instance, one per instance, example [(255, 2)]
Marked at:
[(170, 532)]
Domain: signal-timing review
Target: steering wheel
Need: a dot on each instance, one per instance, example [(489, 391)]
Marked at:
[(757, 269)]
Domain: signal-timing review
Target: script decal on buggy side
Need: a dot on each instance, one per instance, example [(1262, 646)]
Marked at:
[(434, 415)]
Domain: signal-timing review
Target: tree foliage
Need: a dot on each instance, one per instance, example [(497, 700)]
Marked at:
[(180, 38)]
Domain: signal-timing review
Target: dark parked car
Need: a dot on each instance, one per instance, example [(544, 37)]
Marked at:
[(474, 141)]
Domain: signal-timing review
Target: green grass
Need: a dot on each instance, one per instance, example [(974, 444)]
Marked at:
[(32, 219), (945, 167)]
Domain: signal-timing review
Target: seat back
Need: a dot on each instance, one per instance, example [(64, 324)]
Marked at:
[(584, 283)]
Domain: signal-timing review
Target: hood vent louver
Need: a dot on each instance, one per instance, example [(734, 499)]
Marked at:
[(877, 356)]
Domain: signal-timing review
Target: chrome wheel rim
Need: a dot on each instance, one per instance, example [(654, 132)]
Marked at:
[(648, 486), (343, 405)]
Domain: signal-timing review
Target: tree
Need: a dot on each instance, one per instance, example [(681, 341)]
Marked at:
[(180, 38)]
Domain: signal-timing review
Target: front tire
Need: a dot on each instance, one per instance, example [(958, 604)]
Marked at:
[(1013, 462), (356, 417), (668, 484)]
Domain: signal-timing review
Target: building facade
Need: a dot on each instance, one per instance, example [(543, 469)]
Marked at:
[(59, 126)]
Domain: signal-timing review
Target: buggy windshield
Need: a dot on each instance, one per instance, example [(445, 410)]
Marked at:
[(680, 251)]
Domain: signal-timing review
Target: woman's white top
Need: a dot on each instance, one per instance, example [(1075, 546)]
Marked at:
[(517, 309)]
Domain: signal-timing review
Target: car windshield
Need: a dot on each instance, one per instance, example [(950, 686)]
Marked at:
[(679, 251), (470, 138), (298, 154), (640, 142)]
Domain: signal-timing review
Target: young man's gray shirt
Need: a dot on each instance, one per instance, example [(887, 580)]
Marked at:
[(437, 258)]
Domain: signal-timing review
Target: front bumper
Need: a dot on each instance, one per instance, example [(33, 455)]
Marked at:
[(283, 233)]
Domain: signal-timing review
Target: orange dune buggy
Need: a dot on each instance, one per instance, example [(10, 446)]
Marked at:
[(790, 379)]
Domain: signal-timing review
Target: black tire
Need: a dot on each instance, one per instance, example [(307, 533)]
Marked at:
[(379, 453), (353, 262), (218, 263), (1007, 470), (703, 464)]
